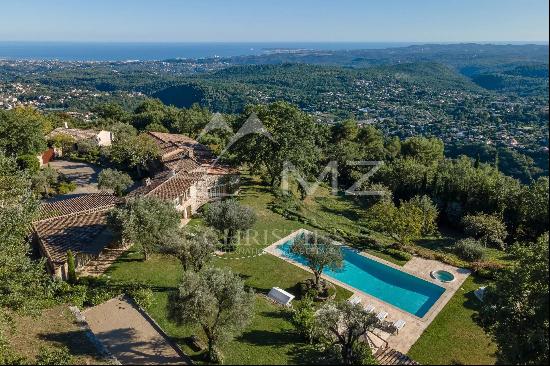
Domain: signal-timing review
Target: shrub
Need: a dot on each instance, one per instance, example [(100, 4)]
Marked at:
[(71, 294), (304, 318), (66, 187), (143, 296), (54, 356), (28, 162), (489, 229), (470, 250), (489, 270), (98, 295), (363, 354), (398, 254)]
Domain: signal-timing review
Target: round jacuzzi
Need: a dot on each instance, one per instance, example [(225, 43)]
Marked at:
[(443, 276)]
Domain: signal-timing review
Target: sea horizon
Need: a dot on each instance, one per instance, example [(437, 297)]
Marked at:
[(153, 51)]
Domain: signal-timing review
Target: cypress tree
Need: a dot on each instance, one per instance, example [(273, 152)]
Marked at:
[(71, 275)]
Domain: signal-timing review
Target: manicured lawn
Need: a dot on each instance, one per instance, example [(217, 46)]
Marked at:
[(271, 337), (454, 337)]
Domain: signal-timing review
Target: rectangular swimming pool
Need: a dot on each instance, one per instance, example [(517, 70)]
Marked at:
[(400, 289)]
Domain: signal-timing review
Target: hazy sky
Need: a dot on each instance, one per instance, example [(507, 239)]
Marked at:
[(274, 20)]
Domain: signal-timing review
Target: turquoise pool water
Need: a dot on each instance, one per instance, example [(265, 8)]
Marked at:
[(409, 293)]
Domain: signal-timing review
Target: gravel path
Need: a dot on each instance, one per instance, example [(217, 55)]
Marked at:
[(129, 335)]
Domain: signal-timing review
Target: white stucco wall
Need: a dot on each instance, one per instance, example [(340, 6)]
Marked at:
[(104, 138)]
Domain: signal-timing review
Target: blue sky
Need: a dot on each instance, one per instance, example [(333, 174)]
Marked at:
[(274, 20)]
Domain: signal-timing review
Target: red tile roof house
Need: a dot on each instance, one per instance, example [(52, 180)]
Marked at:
[(188, 176)]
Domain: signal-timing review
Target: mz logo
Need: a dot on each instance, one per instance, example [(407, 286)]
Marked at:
[(289, 170)]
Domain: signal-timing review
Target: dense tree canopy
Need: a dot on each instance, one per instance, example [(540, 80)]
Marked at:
[(425, 150), (488, 229), (24, 283), (515, 308), (292, 139), (22, 131)]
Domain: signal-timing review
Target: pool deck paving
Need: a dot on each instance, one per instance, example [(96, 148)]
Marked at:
[(414, 326)]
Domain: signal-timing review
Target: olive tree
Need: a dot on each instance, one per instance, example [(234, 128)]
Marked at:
[(229, 217), (341, 326), (135, 151), (217, 301), (145, 221), (44, 180), (319, 253), (193, 249), (112, 179)]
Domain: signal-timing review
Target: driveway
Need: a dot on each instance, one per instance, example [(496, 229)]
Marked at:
[(130, 335), (83, 174)]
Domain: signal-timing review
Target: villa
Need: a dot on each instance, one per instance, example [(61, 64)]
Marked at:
[(186, 175)]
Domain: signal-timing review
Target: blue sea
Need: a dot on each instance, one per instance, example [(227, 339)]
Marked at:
[(115, 51)]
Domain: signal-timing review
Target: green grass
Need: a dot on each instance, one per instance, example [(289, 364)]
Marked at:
[(270, 338), (454, 337)]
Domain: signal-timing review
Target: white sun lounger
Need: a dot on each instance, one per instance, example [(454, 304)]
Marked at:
[(381, 315), (398, 325), (369, 308), (355, 300)]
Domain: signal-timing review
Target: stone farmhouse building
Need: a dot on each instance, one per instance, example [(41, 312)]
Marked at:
[(186, 175), (99, 138)]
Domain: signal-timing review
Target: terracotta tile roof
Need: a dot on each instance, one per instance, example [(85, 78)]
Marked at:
[(181, 162), (85, 202), (81, 233), (221, 170), (175, 186), (150, 184), (168, 149), (167, 185), (171, 143), (173, 137), (76, 133)]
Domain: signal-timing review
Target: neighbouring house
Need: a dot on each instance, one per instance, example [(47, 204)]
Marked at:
[(100, 138), (187, 175), (78, 224)]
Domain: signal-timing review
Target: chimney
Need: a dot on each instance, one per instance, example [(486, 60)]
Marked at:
[(147, 181)]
